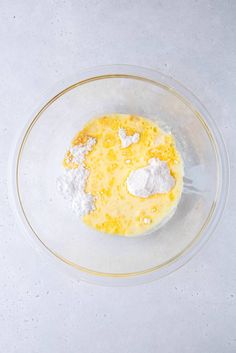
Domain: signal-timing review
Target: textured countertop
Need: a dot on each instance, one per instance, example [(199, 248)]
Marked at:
[(190, 311)]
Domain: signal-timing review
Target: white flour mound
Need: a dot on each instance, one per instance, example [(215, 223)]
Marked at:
[(126, 140), (150, 180), (80, 151), (72, 183)]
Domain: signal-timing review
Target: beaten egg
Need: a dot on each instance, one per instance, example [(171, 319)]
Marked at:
[(110, 164)]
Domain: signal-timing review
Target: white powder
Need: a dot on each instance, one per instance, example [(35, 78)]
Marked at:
[(126, 140), (72, 184), (150, 180), (147, 221), (80, 151)]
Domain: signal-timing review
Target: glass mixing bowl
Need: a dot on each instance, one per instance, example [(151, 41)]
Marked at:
[(37, 163)]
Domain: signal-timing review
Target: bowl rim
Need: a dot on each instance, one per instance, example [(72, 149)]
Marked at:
[(158, 79)]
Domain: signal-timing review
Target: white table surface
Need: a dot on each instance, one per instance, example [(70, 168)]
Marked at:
[(42, 311)]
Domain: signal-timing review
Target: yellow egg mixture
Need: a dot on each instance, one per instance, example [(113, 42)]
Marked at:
[(117, 211)]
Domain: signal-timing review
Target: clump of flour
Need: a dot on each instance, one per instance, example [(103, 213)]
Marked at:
[(153, 179), (72, 183), (79, 152), (127, 140)]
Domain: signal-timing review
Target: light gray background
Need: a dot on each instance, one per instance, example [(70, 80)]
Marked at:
[(43, 42)]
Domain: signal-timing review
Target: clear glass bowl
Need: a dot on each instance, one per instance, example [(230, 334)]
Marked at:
[(37, 163)]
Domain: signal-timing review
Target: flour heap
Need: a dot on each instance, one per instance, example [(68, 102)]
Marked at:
[(127, 140), (153, 179), (72, 183)]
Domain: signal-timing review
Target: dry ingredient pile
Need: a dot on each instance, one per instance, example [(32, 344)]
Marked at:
[(122, 174), (73, 183)]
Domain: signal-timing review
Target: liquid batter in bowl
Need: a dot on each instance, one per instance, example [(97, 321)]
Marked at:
[(123, 174)]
